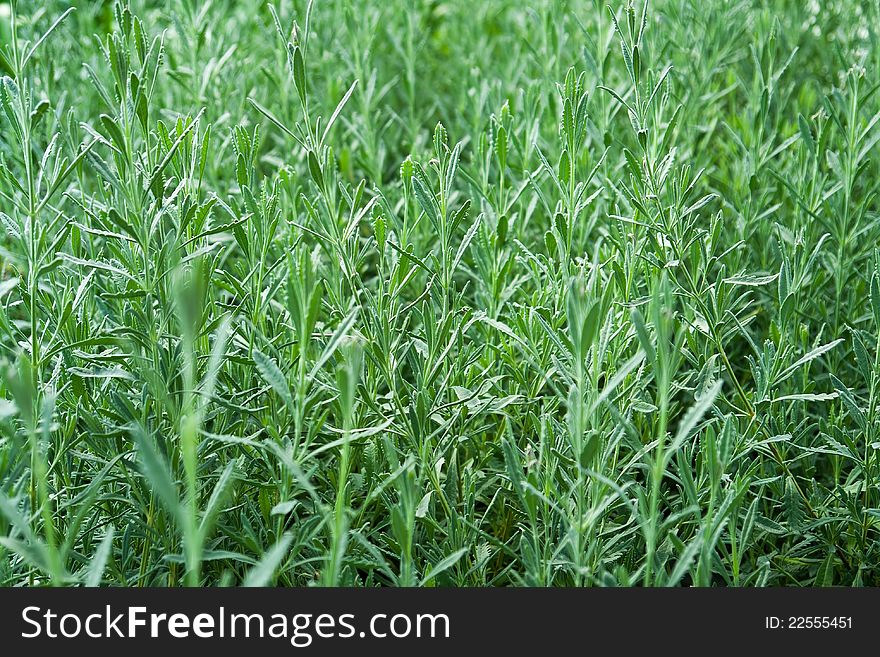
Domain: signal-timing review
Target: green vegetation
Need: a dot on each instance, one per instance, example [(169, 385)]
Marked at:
[(440, 293)]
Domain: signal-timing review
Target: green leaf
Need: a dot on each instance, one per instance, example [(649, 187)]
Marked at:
[(855, 412), (99, 561), (55, 24), (806, 358), (792, 507), (806, 134), (875, 299), (642, 334), (7, 286), (114, 132), (751, 280), (443, 565), (333, 343), (273, 375), (818, 396), (422, 508), (217, 499), (315, 170), (299, 74), (825, 574), (172, 151), (466, 241), (685, 560), (379, 232), (427, 201), (272, 118), (622, 372), (264, 571), (694, 415), (338, 109), (155, 469)]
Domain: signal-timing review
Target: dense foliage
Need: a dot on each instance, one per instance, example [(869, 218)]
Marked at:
[(439, 293)]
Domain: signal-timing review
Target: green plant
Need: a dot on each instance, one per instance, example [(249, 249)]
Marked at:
[(439, 294)]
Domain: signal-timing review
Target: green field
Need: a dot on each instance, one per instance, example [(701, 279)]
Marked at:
[(440, 293)]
